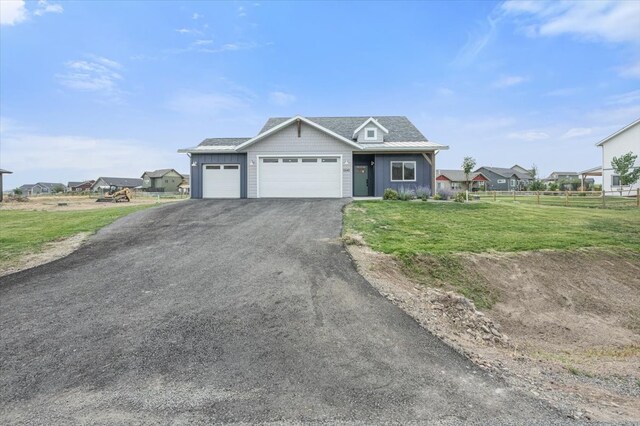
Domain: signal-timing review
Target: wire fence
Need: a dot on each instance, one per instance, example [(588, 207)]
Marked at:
[(601, 199)]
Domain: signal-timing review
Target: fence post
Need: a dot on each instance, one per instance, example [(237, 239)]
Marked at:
[(538, 197), (514, 195), (638, 197), (566, 198), (494, 195), (603, 203)]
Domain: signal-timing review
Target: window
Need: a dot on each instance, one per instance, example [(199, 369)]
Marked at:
[(289, 160), (270, 160), (615, 180), (403, 171), (213, 167), (501, 181), (309, 160), (513, 182), (329, 160), (231, 167), (370, 134), (455, 185)]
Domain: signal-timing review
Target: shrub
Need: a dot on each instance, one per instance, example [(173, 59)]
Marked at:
[(460, 197), (537, 185), (390, 194), (597, 187), (444, 194), (437, 196), (17, 191), (423, 193), (553, 186), (406, 194)]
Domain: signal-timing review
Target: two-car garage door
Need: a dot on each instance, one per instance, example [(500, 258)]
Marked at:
[(299, 177)]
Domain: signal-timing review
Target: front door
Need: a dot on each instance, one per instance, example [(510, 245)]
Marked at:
[(361, 181)]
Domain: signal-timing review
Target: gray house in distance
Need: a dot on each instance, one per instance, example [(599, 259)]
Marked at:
[(315, 157), (104, 183), (163, 180), (503, 179)]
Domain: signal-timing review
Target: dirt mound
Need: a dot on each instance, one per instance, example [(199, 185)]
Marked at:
[(565, 325)]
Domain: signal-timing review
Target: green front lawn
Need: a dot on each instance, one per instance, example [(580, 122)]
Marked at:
[(407, 228), (28, 231)]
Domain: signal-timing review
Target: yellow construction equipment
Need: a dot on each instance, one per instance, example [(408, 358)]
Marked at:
[(116, 196)]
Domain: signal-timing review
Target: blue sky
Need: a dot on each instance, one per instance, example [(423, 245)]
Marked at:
[(115, 88)]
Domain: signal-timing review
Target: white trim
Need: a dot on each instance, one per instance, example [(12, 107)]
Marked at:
[(287, 123), (375, 134), (202, 169), (426, 157), (415, 171), (275, 155), (608, 138), (370, 120)]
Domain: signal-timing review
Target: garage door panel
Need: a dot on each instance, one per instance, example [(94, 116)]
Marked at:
[(221, 181), (293, 177)]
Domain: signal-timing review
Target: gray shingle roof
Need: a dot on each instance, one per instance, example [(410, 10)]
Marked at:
[(72, 184), (505, 172), (122, 182), (399, 127), (159, 173), (455, 175), (49, 185), (223, 141)]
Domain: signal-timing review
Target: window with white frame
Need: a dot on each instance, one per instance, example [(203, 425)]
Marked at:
[(403, 171), (513, 182), (455, 185), (615, 180), (370, 134)]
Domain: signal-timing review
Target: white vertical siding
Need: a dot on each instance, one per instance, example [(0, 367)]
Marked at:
[(287, 142), (627, 141)]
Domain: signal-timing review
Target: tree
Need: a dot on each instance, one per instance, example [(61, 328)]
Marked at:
[(624, 167), (468, 165), (17, 191), (57, 189), (536, 185)]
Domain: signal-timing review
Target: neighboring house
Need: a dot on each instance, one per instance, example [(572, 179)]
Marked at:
[(26, 189), (522, 170), (163, 180), (3, 172), (618, 144), (80, 186), (104, 183), (561, 176), (184, 187), (45, 188), (456, 180), (503, 179), (315, 157)]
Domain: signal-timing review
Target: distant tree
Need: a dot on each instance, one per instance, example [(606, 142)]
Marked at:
[(624, 167), (536, 185), (534, 172), (57, 189), (17, 191), (468, 164)]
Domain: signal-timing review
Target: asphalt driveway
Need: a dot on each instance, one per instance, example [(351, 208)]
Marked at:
[(228, 311)]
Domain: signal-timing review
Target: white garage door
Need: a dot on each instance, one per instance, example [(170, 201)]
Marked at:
[(300, 177), (221, 181)]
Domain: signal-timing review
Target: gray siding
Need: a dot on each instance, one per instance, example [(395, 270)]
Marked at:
[(492, 184), (424, 172), (196, 172), (360, 136), (287, 142)]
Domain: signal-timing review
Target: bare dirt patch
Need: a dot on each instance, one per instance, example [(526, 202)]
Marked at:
[(74, 203), (565, 326), (50, 252)]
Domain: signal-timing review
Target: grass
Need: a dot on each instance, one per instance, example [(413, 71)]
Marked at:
[(28, 231), (560, 200), (429, 238), (409, 228)]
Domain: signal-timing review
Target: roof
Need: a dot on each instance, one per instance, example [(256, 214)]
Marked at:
[(49, 185), (223, 141), (370, 120), (564, 173), (505, 172), (597, 171), (27, 186), (399, 127), (72, 184), (456, 175), (3, 171), (122, 182), (159, 173), (608, 138)]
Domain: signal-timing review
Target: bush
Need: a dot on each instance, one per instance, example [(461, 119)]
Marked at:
[(406, 194), (17, 191), (597, 187), (390, 194), (553, 186), (444, 194), (423, 193), (537, 185), (460, 197)]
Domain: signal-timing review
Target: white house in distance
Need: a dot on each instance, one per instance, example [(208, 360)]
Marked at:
[(624, 140)]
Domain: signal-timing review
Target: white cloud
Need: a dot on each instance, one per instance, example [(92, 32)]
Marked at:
[(196, 16), (281, 98), (624, 98), (508, 81), (242, 11), (202, 42), (611, 21), (12, 12), (630, 70), (189, 31), (45, 7), (528, 135), (97, 74), (198, 103), (577, 132)]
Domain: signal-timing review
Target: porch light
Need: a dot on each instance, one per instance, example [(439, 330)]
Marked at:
[(346, 162), (194, 164), (252, 163)]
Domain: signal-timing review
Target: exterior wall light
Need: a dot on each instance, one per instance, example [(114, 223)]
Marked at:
[(194, 164)]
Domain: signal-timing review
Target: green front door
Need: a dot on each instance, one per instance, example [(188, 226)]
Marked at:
[(361, 181)]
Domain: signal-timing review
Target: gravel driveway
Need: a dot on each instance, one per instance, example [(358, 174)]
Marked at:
[(228, 311)]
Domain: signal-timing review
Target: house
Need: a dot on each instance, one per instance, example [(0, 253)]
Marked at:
[(315, 157), (104, 183), (184, 187), (522, 170), (26, 189), (456, 180), (3, 172), (80, 186), (618, 144), (566, 180), (163, 180), (43, 188), (503, 179)]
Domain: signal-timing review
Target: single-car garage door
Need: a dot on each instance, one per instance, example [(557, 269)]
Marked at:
[(221, 181), (300, 177)]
